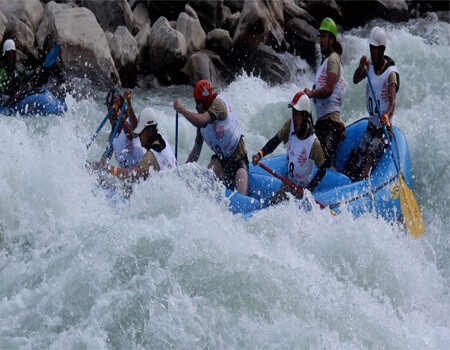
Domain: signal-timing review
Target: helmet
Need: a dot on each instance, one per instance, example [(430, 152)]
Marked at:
[(328, 25), (377, 37), (9, 45), (110, 97), (146, 118), (203, 90), (300, 102)]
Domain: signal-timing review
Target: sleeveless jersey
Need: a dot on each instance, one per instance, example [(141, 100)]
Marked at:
[(300, 166), (333, 102), (380, 88), (223, 136), (127, 152), (166, 158)]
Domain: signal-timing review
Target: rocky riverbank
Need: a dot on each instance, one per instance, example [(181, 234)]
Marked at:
[(152, 43)]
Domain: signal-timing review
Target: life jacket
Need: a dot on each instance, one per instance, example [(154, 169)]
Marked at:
[(166, 158), (223, 136), (299, 165), (128, 152), (381, 91), (333, 102)]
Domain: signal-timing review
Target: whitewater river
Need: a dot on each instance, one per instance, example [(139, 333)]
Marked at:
[(175, 269)]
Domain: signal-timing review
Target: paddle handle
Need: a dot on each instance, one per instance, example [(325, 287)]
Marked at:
[(299, 190)]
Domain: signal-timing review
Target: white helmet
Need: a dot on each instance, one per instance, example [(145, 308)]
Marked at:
[(146, 118), (300, 102), (377, 37), (9, 45)]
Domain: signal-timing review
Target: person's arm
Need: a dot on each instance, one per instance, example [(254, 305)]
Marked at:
[(137, 172), (132, 119), (318, 156), (326, 90), (360, 72), (392, 94), (274, 142), (200, 120), (197, 149)]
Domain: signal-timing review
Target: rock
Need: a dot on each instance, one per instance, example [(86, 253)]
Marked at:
[(141, 16), (268, 65), (124, 50), (302, 39), (23, 37), (209, 13), (359, 13), (111, 14), (219, 40), (231, 23), (85, 52), (192, 31), (234, 5), (29, 12), (325, 8), (202, 65), (292, 10), (166, 45), (3, 22), (260, 22)]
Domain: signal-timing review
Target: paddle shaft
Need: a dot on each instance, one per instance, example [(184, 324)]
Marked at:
[(410, 209), (299, 190), (176, 136), (99, 128), (116, 127), (50, 59)]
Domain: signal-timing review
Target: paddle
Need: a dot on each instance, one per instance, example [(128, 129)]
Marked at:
[(49, 61), (299, 190), (100, 127), (176, 136), (116, 127), (410, 209)]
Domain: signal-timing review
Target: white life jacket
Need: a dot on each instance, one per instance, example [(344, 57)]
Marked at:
[(223, 136), (381, 91), (128, 152), (300, 167), (333, 102), (166, 158)]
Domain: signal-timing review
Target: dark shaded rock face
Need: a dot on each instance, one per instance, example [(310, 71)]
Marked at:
[(152, 43)]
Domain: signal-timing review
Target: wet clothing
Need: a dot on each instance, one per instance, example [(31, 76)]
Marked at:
[(303, 153), (330, 129), (224, 137), (128, 152), (159, 156), (374, 141)]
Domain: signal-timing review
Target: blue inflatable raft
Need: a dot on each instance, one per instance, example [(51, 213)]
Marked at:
[(41, 102), (379, 192)]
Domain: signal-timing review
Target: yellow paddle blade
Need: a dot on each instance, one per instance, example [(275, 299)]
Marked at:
[(411, 211)]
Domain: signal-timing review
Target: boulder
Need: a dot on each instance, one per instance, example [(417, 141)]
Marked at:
[(124, 50), (29, 12), (165, 45), (219, 40), (302, 39), (142, 39), (23, 37), (359, 13), (203, 65), (192, 31), (85, 52), (268, 65), (141, 16), (260, 21), (209, 13), (3, 22), (111, 14), (292, 10), (234, 5), (325, 8)]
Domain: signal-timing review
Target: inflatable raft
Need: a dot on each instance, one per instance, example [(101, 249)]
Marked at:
[(378, 193), (41, 102)]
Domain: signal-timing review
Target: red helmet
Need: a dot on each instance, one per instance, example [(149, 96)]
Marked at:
[(203, 90)]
